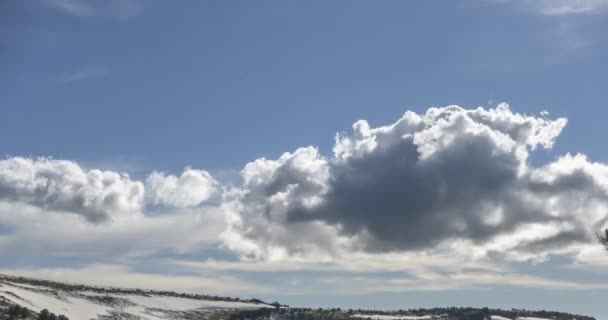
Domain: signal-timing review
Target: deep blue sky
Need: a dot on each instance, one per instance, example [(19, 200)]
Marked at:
[(215, 84)]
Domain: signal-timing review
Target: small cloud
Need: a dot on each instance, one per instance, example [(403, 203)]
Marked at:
[(190, 189)]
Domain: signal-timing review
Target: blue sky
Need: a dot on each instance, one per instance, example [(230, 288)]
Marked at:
[(172, 86), (143, 87)]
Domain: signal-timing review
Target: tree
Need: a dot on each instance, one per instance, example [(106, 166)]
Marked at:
[(44, 315), (47, 315), (603, 238), (24, 313), (13, 311)]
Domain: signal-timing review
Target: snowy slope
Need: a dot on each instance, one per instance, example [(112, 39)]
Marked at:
[(393, 317), (85, 303)]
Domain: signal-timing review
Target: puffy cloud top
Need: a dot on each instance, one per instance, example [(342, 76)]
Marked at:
[(65, 186), (190, 189), (98, 195)]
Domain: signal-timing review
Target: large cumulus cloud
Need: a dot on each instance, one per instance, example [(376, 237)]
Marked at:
[(451, 178)]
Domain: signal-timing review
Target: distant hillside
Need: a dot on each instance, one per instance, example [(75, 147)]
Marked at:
[(412, 314), (80, 302), (26, 298)]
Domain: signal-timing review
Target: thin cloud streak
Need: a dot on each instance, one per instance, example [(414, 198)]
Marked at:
[(80, 75), (113, 9)]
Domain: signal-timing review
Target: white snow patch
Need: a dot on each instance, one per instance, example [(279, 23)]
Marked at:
[(73, 308), (392, 317), (87, 304)]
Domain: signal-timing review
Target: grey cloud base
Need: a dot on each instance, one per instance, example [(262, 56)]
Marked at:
[(452, 179)]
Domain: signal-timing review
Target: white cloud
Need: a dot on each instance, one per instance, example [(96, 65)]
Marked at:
[(57, 208), (190, 189), (48, 233), (98, 195), (372, 273), (570, 7), (64, 186)]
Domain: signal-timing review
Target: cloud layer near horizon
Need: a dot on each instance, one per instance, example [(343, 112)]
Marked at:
[(450, 181)]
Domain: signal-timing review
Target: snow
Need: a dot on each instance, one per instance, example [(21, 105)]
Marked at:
[(73, 308), (25, 285), (391, 317), (498, 318), (532, 318), (183, 304), (86, 305)]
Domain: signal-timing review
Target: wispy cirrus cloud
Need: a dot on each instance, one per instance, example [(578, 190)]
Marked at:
[(557, 7), (116, 9), (76, 8), (569, 7), (563, 33)]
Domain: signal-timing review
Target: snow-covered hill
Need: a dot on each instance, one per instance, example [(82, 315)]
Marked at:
[(80, 302), (397, 317)]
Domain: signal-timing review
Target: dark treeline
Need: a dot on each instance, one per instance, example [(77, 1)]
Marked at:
[(449, 313), (17, 312), (474, 313)]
